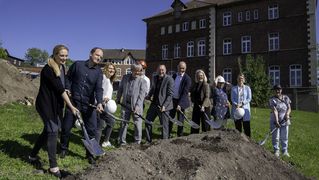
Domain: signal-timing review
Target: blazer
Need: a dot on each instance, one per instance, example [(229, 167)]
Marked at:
[(245, 103), (138, 92), (165, 96), (204, 95), (184, 88)]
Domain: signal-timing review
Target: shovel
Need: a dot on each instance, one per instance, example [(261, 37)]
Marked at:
[(90, 144), (270, 133), (212, 123), (140, 116), (190, 122)]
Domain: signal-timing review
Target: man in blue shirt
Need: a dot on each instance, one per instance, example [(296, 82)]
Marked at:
[(84, 85)]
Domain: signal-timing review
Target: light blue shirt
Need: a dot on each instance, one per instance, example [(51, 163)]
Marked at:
[(177, 83)]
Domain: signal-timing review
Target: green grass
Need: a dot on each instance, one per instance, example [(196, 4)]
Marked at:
[(21, 125)]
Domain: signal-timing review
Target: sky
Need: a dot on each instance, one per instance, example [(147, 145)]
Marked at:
[(79, 24)]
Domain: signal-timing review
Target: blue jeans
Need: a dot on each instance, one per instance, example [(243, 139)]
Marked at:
[(280, 134)]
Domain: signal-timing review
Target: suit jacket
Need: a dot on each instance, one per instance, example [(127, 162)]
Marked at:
[(138, 92), (165, 96), (204, 95), (245, 103), (183, 91)]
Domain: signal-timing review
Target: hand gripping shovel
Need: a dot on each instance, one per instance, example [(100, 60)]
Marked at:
[(90, 144), (190, 122)]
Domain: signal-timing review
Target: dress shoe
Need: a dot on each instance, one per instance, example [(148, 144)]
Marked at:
[(56, 173)]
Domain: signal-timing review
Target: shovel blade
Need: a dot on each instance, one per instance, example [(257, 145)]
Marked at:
[(193, 124), (178, 123), (214, 124), (93, 147)]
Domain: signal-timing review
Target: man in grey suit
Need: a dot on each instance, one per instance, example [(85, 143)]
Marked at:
[(132, 91), (161, 94)]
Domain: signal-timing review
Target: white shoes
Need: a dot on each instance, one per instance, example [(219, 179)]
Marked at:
[(286, 154), (277, 153), (106, 144)]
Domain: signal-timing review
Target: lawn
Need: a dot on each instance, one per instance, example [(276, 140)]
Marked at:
[(20, 126)]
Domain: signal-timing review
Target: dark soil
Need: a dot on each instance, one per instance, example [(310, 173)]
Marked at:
[(214, 155)]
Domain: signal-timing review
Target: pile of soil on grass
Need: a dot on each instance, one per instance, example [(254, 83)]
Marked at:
[(219, 154), (13, 85)]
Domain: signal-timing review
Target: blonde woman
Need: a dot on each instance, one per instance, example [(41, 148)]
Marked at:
[(49, 104), (106, 121), (200, 97)]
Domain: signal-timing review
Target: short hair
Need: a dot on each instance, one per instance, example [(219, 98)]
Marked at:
[(94, 49), (136, 67), (196, 75)]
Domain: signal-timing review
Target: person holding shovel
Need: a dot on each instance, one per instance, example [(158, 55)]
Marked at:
[(280, 119), (50, 104)]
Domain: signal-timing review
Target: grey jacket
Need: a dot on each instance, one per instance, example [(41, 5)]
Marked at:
[(165, 96), (138, 92)]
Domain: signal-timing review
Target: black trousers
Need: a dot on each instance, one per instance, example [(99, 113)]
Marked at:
[(180, 118), (50, 139), (199, 118), (246, 124)]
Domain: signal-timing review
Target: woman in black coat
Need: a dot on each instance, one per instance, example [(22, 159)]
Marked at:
[(50, 104)]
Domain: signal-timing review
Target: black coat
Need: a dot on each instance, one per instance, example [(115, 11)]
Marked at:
[(49, 102)]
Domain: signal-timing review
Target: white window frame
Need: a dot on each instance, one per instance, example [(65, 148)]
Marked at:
[(201, 48), (202, 23), (164, 52), (128, 71), (274, 74), (170, 29), (240, 17), (185, 26), (227, 18), (227, 46), (256, 14), (247, 15), (162, 30), (227, 74), (246, 44), (273, 11), (294, 69), (190, 49), (273, 41), (193, 25), (177, 50), (177, 28), (118, 72)]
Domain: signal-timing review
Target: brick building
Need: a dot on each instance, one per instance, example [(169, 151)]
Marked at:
[(212, 34)]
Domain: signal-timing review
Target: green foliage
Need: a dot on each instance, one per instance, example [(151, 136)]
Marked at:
[(258, 80), (68, 63), (36, 55), (3, 54)]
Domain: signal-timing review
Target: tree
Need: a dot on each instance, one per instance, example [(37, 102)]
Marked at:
[(256, 77), (3, 54), (68, 63), (36, 55)]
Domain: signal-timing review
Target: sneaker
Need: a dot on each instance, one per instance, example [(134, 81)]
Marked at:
[(106, 144), (277, 153), (55, 172), (286, 154)]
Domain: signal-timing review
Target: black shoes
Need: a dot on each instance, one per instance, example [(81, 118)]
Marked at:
[(56, 174), (63, 154)]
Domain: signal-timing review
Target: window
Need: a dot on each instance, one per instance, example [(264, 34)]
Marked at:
[(164, 51), (201, 48), (227, 46), (245, 44), (190, 49), (240, 17), (295, 75), (162, 30), (193, 25), (227, 18), (227, 75), (273, 11), (177, 50), (274, 75), (177, 28), (118, 72), (256, 14), (185, 26), (170, 29), (128, 71), (273, 41), (202, 23), (247, 15)]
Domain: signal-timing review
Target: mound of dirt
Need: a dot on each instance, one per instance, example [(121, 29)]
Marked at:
[(214, 155), (13, 86)]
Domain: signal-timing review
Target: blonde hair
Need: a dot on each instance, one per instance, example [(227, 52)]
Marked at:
[(197, 74), (106, 71)]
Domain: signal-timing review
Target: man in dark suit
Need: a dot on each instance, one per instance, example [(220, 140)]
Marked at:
[(161, 94), (182, 85)]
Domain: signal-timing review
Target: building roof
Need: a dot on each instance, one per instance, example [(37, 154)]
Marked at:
[(123, 53), (193, 4), (12, 57)]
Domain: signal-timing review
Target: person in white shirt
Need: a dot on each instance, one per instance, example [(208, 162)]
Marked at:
[(144, 66), (106, 121)]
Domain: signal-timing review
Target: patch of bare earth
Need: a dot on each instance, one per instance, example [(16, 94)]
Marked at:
[(214, 155)]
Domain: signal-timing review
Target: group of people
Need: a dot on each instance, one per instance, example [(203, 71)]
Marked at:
[(86, 84)]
